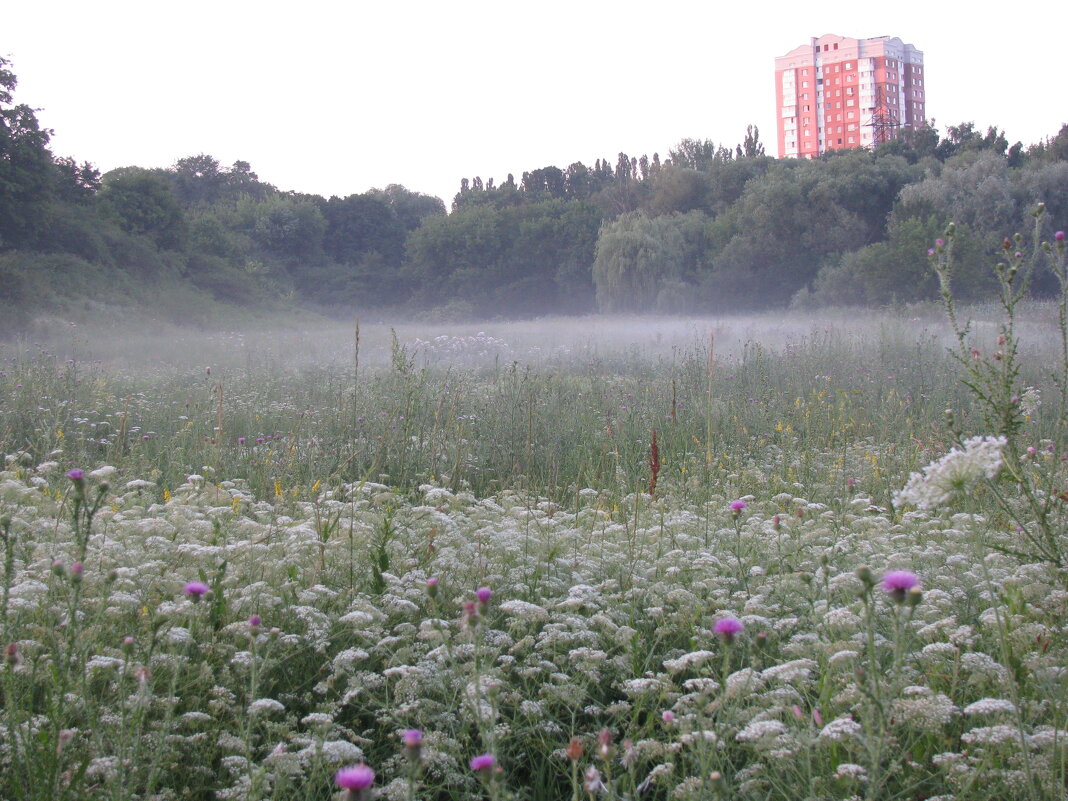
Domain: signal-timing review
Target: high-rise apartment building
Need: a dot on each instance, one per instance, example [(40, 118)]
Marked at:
[(837, 92)]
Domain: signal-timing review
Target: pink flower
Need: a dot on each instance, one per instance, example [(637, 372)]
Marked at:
[(728, 628), (196, 590), (412, 738), (898, 582), (77, 474), (357, 777), (1059, 236), (737, 506), (483, 594), (483, 763)]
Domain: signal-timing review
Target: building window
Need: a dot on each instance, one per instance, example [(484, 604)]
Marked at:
[(849, 65)]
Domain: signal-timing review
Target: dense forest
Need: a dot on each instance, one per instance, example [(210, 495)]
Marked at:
[(705, 229)]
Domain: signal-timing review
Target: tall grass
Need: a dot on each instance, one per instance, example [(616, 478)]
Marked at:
[(268, 569)]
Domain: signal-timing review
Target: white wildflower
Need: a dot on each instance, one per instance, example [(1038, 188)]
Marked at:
[(841, 657), (790, 671), (701, 685), (99, 662), (1045, 736), (356, 618), (850, 770), (923, 709), (940, 649), (521, 610), (743, 682), (265, 706), (760, 729), (340, 752), (840, 729), (952, 474), (639, 687), (705, 735), (1030, 400), (990, 706), (692, 659), (841, 617), (991, 735)]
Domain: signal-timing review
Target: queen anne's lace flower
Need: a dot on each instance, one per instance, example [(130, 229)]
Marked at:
[(952, 474)]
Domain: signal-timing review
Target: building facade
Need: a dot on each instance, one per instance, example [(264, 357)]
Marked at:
[(837, 93)]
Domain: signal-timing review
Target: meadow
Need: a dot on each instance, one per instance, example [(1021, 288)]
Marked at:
[(566, 559)]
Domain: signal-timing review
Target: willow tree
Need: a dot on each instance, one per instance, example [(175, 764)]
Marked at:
[(634, 255)]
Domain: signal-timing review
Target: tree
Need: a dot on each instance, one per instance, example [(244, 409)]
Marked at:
[(698, 154), (75, 183), (635, 253), (546, 182), (142, 202), (678, 189), (361, 224), (26, 168), (288, 227), (751, 146), (198, 179), (410, 208)]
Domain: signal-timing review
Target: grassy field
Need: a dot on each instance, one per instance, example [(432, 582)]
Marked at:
[(238, 563)]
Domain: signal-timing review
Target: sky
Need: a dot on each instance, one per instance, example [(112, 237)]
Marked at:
[(335, 98)]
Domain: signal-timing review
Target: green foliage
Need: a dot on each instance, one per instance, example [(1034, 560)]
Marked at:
[(755, 232), (142, 202), (898, 270), (634, 254), (26, 174)]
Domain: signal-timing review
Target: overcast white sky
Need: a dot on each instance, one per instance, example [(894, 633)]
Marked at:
[(338, 97)]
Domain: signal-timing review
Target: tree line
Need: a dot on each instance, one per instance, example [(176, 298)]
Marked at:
[(708, 228)]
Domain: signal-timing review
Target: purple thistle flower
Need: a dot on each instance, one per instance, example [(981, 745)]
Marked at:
[(1059, 236), (412, 738), (483, 763), (728, 628), (196, 590), (77, 474), (483, 594), (737, 506), (898, 582), (357, 777)]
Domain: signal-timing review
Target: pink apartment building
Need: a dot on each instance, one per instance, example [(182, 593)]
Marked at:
[(837, 92)]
